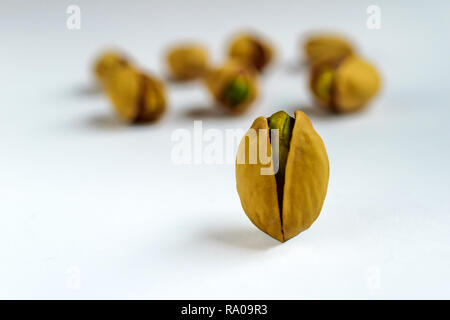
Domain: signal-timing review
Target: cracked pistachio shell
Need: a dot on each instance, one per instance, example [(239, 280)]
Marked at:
[(326, 48), (136, 97), (306, 181), (186, 62), (233, 86), (107, 64), (347, 86), (251, 50)]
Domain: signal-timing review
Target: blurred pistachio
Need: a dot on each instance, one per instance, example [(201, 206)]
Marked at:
[(344, 86), (187, 61), (233, 85), (136, 97), (251, 50), (107, 64), (326, 47)]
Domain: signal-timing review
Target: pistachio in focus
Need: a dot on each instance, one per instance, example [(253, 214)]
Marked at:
[(187, 62), (233, 85), (251, 50), (326, 47), (344, 86), (136, 97), (288, 201)]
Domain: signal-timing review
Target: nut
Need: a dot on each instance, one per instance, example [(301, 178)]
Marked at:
[(283, 202), (186, 62), (107, 64), (136, 97), (344, 86), (251, 50), (233, 85), (326, 48)]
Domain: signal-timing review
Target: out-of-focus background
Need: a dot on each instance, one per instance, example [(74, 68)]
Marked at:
[(92, 208)]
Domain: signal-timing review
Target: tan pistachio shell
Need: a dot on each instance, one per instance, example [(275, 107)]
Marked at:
[(307, 174), (258, 193), (107, 64), (136, 97), (355, 82), (154, 100), (188, 61), (326, 48), (217, 80), (252, 50), (306, 181), (123, 89)]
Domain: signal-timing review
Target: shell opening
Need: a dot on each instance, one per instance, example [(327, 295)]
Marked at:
[(284, 124)]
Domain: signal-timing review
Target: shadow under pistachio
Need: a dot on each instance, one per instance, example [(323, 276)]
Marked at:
[(86, 90), (172, 81), (243, 238), (111, 122), (105, 121), (206, 112)]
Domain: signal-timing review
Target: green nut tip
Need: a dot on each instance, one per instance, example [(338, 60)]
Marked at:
[(237, 91)]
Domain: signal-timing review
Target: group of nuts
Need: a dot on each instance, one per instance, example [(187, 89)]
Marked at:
[(340, 80), (288, 200), (139, 97)]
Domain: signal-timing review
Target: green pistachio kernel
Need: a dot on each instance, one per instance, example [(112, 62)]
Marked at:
[(324, 84), (237, 91), (285, 124)]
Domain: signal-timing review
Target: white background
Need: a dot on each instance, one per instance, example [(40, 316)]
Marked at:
[(84, 197)]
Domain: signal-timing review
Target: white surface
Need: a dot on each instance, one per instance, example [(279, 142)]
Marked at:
[(81, 192)]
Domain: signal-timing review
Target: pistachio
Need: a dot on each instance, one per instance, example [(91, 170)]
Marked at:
[(107, 64), (251, 50), (287, 202), (344, 86), (325, 47), (233, 85), (187, 61), (136, 97)]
